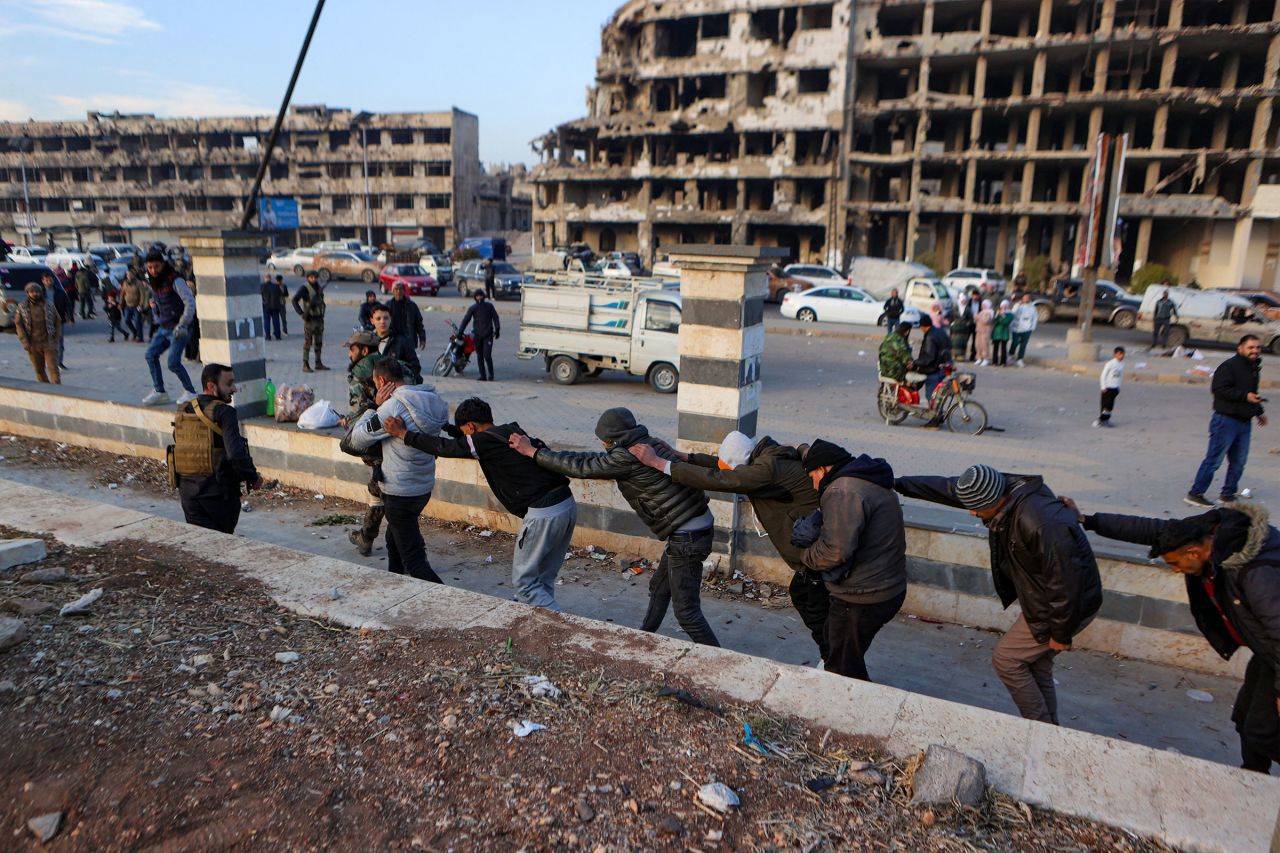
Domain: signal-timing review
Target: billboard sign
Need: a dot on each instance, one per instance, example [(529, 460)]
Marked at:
[(276, 213)]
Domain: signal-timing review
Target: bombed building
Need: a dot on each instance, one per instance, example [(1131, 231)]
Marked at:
[(137, 178), (954, 130), (710, 121)]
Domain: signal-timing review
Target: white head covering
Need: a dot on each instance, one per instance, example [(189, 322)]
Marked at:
[(736, 449), (1004, 303), (986, 304)]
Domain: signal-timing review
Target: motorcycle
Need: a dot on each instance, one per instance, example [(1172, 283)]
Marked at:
[(457, 353), (950, 402)]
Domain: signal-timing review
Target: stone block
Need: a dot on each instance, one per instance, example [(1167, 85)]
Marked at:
[(20, 552), (997, 740), (12, 632), (947, 775), (848, 706)]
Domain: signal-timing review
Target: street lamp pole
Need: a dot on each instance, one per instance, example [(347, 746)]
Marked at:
[(368, 211), (22, 145)]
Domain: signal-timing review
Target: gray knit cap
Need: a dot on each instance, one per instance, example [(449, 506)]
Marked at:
[(980, 487)]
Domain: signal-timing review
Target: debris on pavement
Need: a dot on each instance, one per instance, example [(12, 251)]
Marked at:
[(81, 604), (46, 826), (526, 728), (718, 796)]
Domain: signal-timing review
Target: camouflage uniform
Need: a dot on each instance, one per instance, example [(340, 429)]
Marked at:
[(309, 303), (895, 355)]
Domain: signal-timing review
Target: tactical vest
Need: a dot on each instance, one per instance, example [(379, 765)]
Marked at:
[(197, 449)]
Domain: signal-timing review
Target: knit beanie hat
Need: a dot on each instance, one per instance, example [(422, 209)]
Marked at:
[(823, 453), (736, 449), (980, 487)]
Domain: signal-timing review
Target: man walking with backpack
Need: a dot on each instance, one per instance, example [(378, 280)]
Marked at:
[(211, 457), (540, 498)]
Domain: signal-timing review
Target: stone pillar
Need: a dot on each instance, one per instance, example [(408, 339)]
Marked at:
[(721, 340), (229, 305)]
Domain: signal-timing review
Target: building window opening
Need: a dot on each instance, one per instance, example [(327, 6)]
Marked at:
[(811, 81), (816, 17), (715, 26), (676, 38), (761, 85)]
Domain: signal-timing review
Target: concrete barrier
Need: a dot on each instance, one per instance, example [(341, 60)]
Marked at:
[(1144, 613), (1187, 802)]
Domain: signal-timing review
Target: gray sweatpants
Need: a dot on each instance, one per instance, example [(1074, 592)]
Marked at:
[(540, 548)]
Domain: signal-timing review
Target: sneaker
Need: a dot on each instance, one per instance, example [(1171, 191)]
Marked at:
[(1228, 499), (155, 398), (185, 398), (364, 546), (1021, 363), (1192, 499), (1097, 424)]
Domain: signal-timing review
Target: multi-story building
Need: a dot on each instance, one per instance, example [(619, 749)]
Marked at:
[(973, 122), (711, 121), (139, 178), (506, 199), (957, 130)]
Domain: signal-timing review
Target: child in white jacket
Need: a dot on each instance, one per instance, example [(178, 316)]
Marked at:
[(1110, 379)]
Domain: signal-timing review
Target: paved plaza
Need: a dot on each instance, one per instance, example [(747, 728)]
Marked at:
[(818, 381)]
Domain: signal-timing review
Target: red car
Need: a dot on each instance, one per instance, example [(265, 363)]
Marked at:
[(416, 280)]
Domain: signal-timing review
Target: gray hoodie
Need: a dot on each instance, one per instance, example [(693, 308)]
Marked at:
[(409, 472)]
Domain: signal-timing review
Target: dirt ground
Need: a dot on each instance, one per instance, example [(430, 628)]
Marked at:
[(172, 715)]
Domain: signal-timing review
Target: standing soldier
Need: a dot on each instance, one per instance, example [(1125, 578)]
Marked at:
[(1041, 559), (309, 303), (39, 331), (363, 355), (210, 456)]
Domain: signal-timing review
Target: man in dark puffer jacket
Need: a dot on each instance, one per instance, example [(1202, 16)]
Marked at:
[(773, 478), (1040, 558), (1231, 562), (676, 514)]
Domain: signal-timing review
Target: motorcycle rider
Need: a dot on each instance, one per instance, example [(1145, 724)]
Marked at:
[(895, 353), (935, 354)]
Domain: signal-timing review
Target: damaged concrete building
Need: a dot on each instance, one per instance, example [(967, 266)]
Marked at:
[(711, 121), (138, 178), (964, 137)]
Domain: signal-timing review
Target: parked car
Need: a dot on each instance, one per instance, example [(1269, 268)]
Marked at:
[(110, 251), (348, 265), (1112, 303), (439, 267), (415, 279), (978, 276), (614, 268), (28, 254), (1265, 303), (816, 274), (1216, 316), (486, 247), (840, 304), (574, 252), (506, 279), (780, 284), (14, 278), (338, 246), (297, 261), (631, 259)]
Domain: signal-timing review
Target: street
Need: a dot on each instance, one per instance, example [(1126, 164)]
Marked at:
[(814, 386)]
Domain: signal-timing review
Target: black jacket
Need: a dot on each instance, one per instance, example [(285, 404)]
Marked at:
[(517, 481), (1245, 576), (365, 317), (893, 307), (406, 320), (662, 504), (236, 466), (935, 351), (773, 479), (272, 297), (400, 347), (1233, 381), (485, 317), (1040, 556), (308, 301)]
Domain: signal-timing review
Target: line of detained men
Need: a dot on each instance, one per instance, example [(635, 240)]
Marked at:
[(837, 521)]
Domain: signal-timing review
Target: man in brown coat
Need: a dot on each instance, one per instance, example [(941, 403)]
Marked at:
[(39, 328)]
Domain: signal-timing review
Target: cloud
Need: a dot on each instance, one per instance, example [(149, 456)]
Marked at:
[(13, 110), (174, 99), (96, 21)]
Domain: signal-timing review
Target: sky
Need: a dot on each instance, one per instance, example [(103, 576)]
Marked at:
[(522, 66)]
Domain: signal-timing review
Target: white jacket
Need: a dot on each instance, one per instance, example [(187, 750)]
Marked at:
[(409, 472), (1024, 318), (1112, 374)]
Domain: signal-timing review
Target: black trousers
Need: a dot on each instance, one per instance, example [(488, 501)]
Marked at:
[(219, 513), (679, 579), (406, 549), (850, 630), (1256, 718), (1160, 333), (811, 600), (1001, 353), (484, 356), (1108, 403)]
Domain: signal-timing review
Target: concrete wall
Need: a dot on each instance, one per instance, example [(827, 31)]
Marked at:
[(1188, 803), (1144, 613)]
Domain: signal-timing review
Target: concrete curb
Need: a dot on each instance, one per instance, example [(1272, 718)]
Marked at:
[(1143, 790), (1134, 375)]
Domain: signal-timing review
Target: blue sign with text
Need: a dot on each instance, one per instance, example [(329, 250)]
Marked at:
[(277, 214)]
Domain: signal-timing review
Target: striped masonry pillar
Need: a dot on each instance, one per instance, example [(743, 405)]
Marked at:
[(722, 289), (229, 305)]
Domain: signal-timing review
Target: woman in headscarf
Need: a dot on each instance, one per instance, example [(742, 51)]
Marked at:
[(939, 319), (982, 332), (1000, 334)]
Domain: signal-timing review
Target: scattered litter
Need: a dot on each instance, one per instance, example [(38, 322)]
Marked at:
[(319, 497), (1142, 365), (526, 728), (245, 506), (819, 784), (718, 796), (749, 739), (687, 698), (336, 594), (279, 713), (113, 485), (82, 603), (488, 559), (485, 534), (540, 685), (1200, 695), (1246, 493), (862, 352), (286, 657)]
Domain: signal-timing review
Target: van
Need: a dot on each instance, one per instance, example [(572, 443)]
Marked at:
[(1209, 316), (486, 247), (338, 246)]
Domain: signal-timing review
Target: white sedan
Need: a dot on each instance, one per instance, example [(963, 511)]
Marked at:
[(815, 274), (840, 305), (296, 261)]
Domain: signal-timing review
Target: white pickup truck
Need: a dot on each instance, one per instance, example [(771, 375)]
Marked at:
[(585, 325)]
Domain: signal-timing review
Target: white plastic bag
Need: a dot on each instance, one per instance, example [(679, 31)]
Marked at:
[(319, 415)]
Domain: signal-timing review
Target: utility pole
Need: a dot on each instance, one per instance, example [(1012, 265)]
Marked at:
[(362, 119), (22, 145)]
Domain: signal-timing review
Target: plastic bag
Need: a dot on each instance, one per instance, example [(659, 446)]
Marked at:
[(292, 401), (319, 415)]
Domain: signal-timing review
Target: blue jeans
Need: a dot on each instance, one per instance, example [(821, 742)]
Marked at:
[(931, 382), (133, 321), (1230, 438), (165, 339)]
